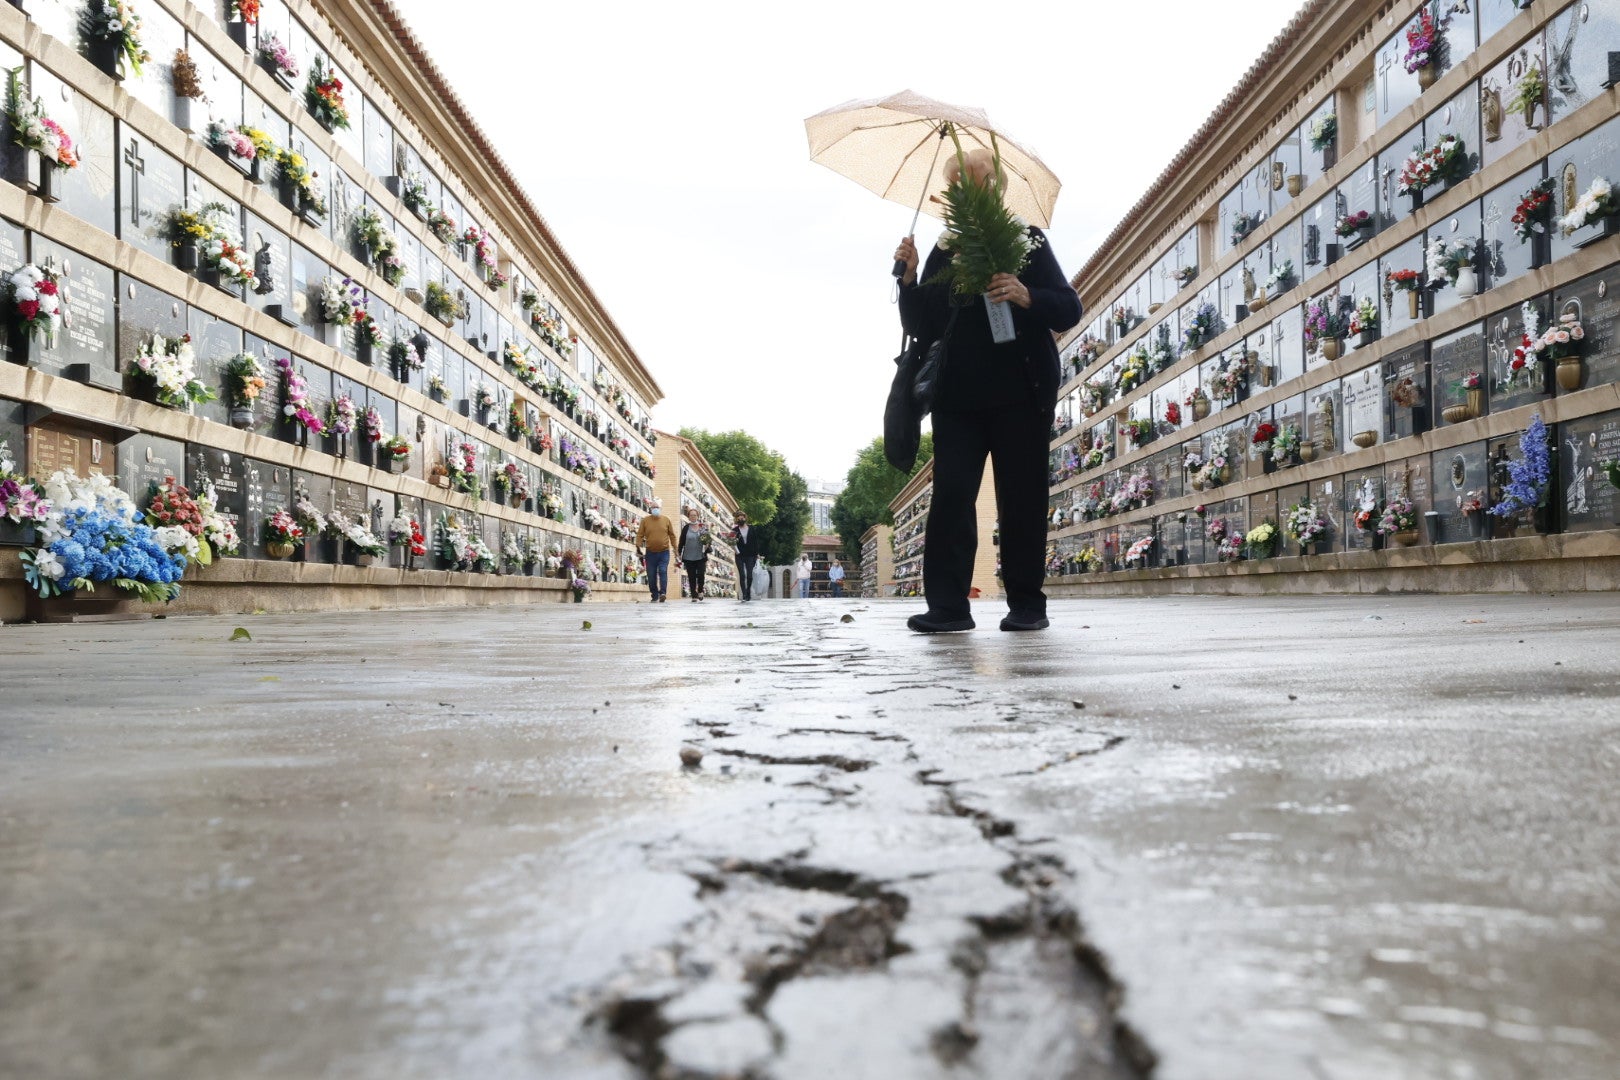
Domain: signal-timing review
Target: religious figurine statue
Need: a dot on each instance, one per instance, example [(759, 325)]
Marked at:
[(261, 269), (1490, 110), (1248, 283), (1575, 494)]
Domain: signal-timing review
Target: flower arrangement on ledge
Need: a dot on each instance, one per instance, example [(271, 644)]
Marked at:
[(462, 464), (552, 333), (323, 95), (1534, 212), (1243, 224), (440, 303), (1399, 515), (282, 528), (36, 302), (441, 225), (1137, 432), (1260, 440), (1261, 541), (405, 531), (1445, 161), (512, 482), (169, 367), (1205, 324), (1528, 95), (517, 422), (1304, 524), (396, 448), (1322, 323), (33, 130), (295, 398), (340, 300), (1282, 278), (483, 251), (234, 142), (116, 21), (1230, 376), (1595, 204), (87, 533), (1424, 42), (1404, 280), (1562, 341), (1365, 319), (296, 173), (244, 381), (1323, 132), (1136, 555), (190, 524), (218, 245), (371, 425), (246, 11), (1172, 413), (278, 57), (1351, 224), (381, 249), (1132, 370), (1446, 260), (342, 416)]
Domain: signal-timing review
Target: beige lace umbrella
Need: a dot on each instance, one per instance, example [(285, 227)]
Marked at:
[(897, 147)]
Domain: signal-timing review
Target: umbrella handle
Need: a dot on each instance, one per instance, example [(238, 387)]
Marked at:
[(899, 269)]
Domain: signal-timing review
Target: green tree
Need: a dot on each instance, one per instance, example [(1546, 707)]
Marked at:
[(869, 486), (783, 537), (751, 471)]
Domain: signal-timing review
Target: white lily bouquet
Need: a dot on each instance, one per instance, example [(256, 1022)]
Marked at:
[(984, 238)]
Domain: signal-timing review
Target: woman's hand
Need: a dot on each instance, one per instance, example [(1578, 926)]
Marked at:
[(907, 253), (1007, 287)]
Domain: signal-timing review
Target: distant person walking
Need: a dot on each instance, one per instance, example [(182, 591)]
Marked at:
[(747, 538), (656, 537), (694, 549), (835, 577), (801, 574)]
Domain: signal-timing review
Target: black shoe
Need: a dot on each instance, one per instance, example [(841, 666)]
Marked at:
[(1024, 622), (930, 623)]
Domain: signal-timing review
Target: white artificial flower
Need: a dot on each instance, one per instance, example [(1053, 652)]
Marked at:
[(48, 565)]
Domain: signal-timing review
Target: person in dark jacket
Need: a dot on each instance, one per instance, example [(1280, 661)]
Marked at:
[(996, 401), (748, 541)]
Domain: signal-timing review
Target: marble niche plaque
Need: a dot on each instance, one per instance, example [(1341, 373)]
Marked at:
[(142, 312), (1457, 476), (1451, 359), (1595, 300), (272, 266), (226, 472), (1361, 489), (1579, 41), (318, 490), (1411, 477), (1505, 127), (1590, 501), (1363, 403), (1327, 495), (1574, 167), (52, 445), (88, 192), (1504, 331), (266, 488), (1506, 257), (84, 349), (214, 341), (151, 187), (1406, 379), (145, 460), (353, 501)]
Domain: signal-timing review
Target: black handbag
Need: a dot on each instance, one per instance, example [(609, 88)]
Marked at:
[(911, 396)]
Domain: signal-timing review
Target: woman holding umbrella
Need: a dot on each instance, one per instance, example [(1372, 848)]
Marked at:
[(995, 399)]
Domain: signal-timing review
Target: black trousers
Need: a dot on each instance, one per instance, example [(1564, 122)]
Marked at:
[(745, 575), (1015, 438), (694, 574)]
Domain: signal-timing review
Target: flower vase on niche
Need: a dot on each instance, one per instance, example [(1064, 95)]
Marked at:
[(1467, 282)]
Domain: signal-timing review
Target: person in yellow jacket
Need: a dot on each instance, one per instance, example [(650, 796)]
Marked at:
[(655, 539)]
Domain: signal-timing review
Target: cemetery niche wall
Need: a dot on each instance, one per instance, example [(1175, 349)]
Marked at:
[(266, 349), (1406, 373)]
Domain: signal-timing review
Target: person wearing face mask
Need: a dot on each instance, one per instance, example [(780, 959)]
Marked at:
[(694, 547), (656, 537), (747, 538)]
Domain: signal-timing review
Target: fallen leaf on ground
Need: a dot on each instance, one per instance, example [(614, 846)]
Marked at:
[(846, 618), (586, 625), (239, 634)]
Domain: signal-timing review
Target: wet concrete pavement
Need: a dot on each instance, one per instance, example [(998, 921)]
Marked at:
[(1195, 838)]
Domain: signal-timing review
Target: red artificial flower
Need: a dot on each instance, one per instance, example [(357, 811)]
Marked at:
[(47, 287), (28, 308), (1265, 432)]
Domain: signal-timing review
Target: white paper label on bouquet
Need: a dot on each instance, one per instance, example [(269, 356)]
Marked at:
[(1001, 320)]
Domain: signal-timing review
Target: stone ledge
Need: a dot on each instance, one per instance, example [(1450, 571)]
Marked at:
[(245, 585), (1566, 562)]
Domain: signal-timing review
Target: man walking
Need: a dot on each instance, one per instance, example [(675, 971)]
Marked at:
[(835, 575), (747, 539), (656, 536)]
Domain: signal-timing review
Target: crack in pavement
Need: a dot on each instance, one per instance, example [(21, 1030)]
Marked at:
[(834, 761)]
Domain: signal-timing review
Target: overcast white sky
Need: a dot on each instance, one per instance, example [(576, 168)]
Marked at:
[(664, 143)]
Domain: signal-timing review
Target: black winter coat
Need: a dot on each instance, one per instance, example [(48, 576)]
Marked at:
[(978, 373)]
